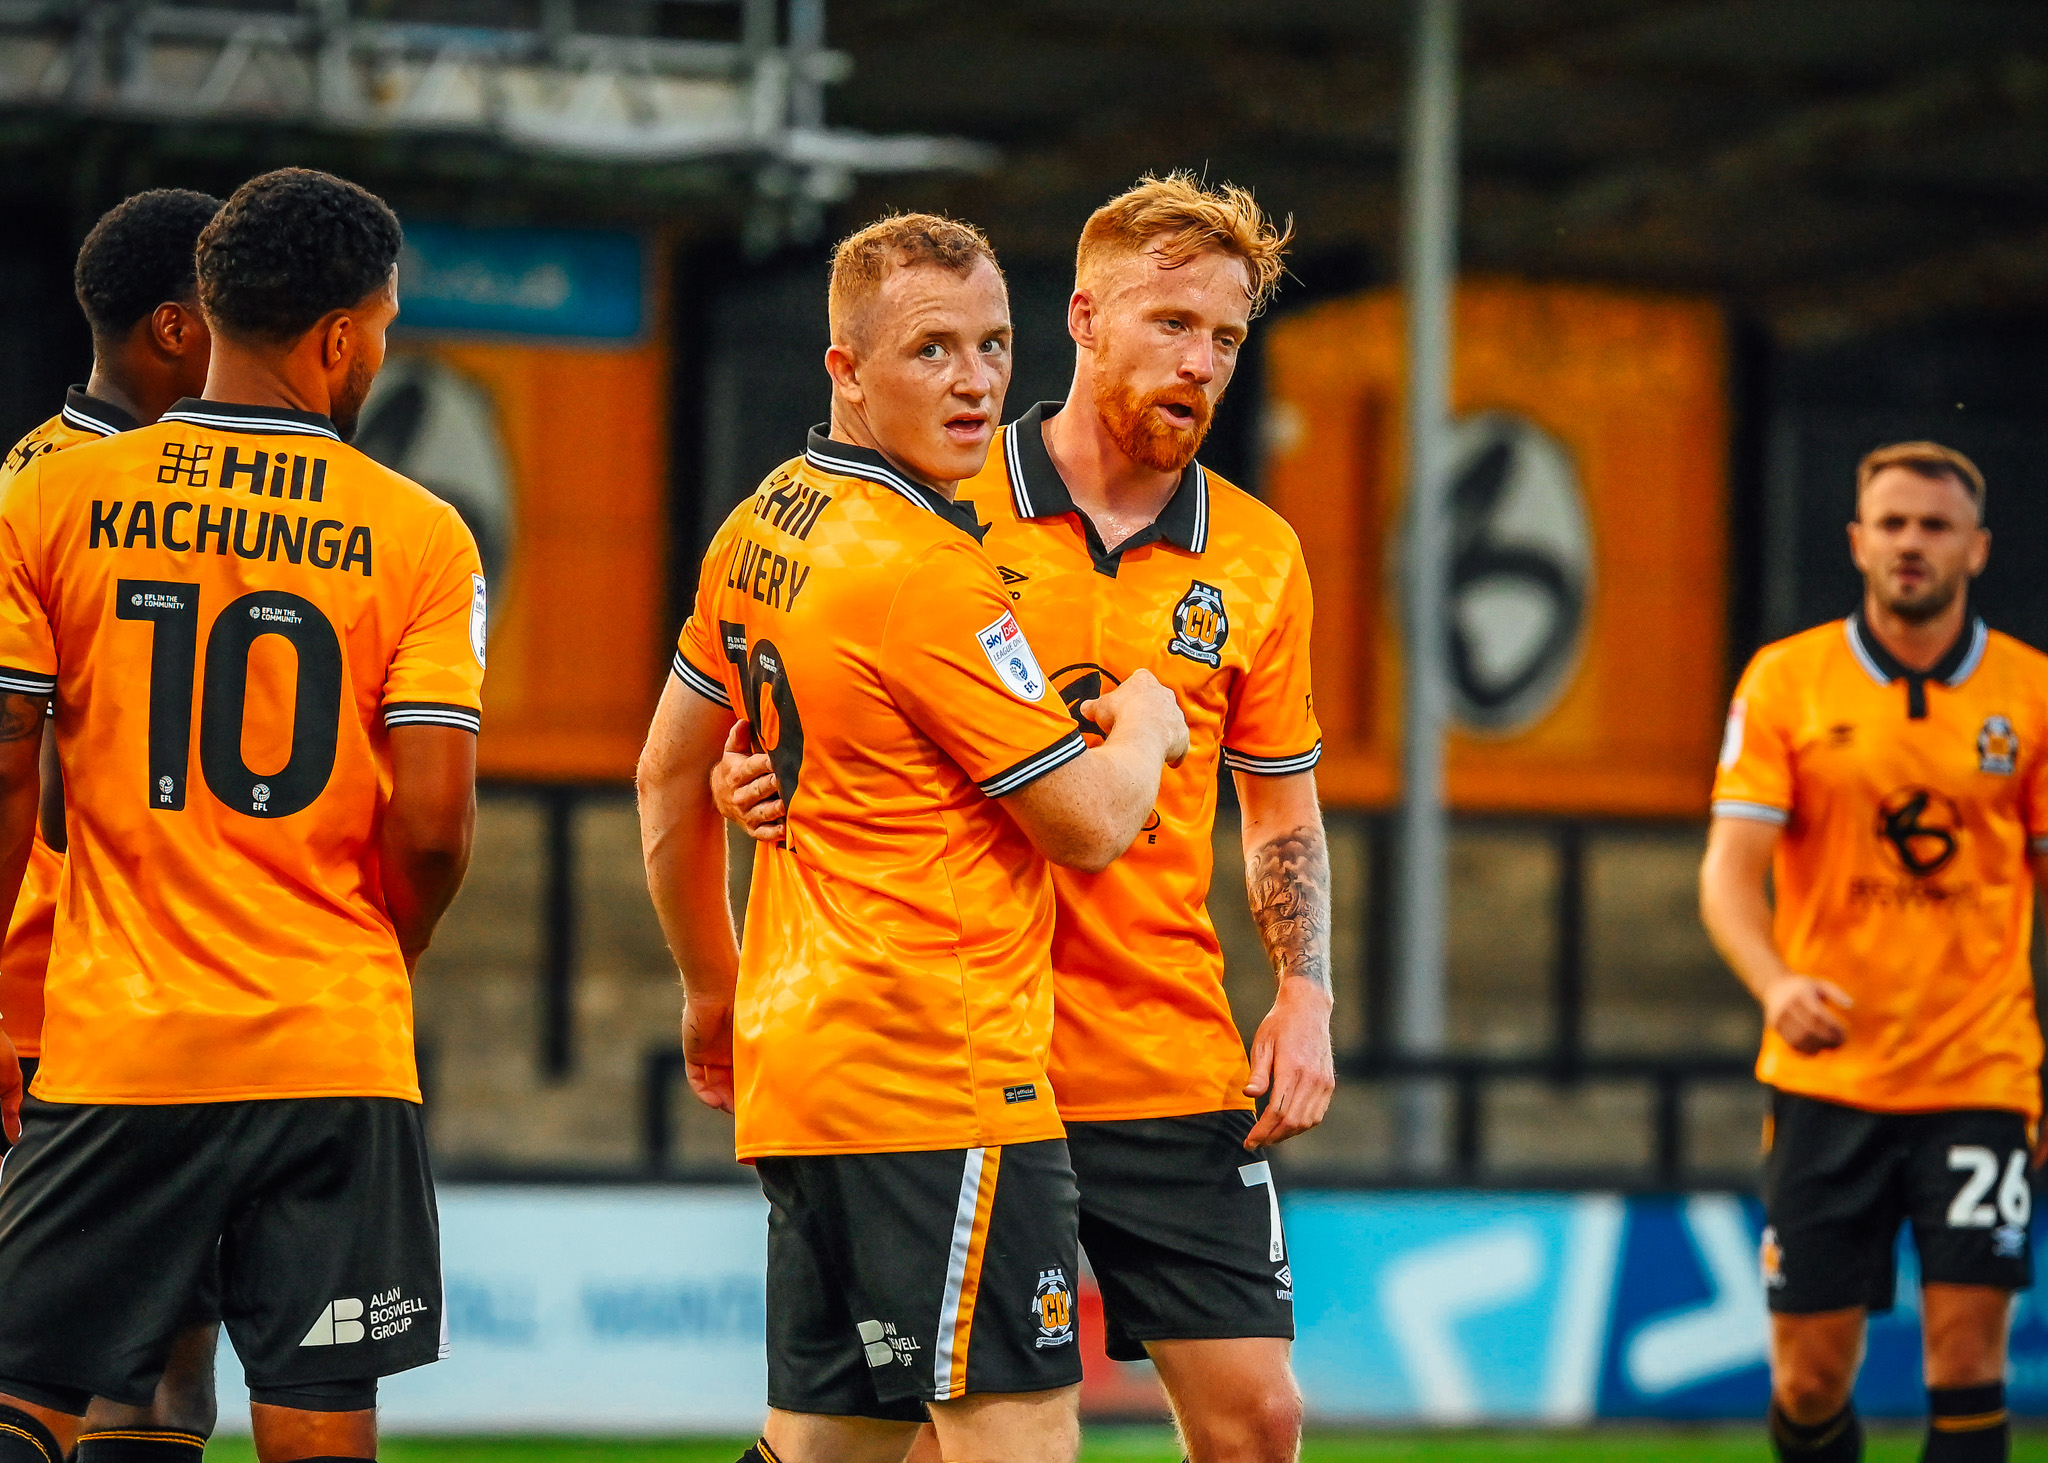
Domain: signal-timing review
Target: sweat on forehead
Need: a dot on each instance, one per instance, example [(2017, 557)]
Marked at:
[(863, 260)]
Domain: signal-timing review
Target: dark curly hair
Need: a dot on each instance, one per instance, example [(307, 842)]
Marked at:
[(138, 256), (288, 248)]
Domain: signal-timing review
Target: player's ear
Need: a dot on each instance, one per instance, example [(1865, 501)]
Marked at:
[(1856, 543), (177, 328), (1980, 552), (1081, 319), (843, 366)]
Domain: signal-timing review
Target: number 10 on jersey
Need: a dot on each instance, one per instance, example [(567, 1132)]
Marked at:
[(173, 608)]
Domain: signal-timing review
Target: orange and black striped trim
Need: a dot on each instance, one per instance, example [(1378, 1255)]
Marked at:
[(143, 1435), (1975, 1422), (39, 1445)]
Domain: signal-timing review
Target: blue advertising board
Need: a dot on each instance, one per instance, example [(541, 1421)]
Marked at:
[(643, 1310), (585, 284)]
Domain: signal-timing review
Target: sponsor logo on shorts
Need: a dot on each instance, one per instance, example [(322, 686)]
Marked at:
[(2009, 1241), (882, 1343), (1772, 1259), (349, 1319), (1285, 1275), (1052, 1306), (1026, 1092)]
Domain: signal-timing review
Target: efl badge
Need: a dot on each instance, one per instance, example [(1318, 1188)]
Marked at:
[(1053, 1308), (1998, 747), (1010, 653), (1200, 626), (1731, 734), (479, 617)]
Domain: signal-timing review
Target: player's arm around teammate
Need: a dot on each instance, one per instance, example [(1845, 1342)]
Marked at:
[(917, 717), (1900, 826)]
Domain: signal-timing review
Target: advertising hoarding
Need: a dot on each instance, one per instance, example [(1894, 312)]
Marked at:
[(1586, 589), (590, 1310)]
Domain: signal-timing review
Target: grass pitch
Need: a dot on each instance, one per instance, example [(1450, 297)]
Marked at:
[(1155, 1445)]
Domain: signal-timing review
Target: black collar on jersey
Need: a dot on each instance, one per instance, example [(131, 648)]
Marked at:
[(849, 461), (228, 416), (1038, 491), (1954, 667), (89, 414)]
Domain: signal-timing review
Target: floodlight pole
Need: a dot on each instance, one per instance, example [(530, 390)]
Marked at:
[(1430, 250)]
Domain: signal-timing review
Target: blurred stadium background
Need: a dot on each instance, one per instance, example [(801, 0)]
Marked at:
[(1710, 252)]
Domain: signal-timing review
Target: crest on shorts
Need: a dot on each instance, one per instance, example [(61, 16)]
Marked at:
[(1052, 1306), (2009, 1241), (1200, 625), (1998, 746), (1772, 1259)]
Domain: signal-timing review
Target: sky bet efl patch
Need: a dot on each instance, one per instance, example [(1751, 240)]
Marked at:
[(1010, 653)]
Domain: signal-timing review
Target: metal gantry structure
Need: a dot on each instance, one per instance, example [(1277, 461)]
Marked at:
[(556, 87)]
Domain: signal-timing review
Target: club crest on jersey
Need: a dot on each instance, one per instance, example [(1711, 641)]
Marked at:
[(1052, 1306), (1200, 625), (1010, 653), (1998, 746)]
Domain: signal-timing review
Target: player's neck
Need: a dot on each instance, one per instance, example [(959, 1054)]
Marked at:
[(850, 427), (1916, 645), (1120, 494), (108, 386), (251, 378), (129, 375)]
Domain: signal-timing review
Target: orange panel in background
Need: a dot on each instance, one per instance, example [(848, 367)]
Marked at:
[(562, 454), (1589, 574)]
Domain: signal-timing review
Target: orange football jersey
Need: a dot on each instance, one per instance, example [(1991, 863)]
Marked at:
[(230, 607), (26, 953), (895, 987), (1213, 599), (1909, 805)]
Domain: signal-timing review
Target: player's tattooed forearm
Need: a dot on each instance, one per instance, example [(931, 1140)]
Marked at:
[(1289, 879), (21, 717)]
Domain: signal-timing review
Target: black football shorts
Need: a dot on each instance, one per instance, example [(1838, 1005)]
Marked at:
[(896, 1279), (314, 1216), (1839, 1181), (1182, 1230)]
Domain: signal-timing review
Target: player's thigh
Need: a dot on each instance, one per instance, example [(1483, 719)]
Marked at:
[(1963, 1333), (962, 1269), (1835, 1192), (1233, 1398), (185, 1399), (1971, 1199), (331, 1267), (799, 1437), (821, 1378), (112, 1216), (1032, 1427), (1182, 1228)]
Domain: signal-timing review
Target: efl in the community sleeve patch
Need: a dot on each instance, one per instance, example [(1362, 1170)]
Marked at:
[(479, 618), (1010, 653)]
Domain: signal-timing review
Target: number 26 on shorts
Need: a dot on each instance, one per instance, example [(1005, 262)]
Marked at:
[(1971, 1207)]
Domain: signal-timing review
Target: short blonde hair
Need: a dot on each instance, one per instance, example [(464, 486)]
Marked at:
[(1178, 217), (863, 260), (1929, 460)]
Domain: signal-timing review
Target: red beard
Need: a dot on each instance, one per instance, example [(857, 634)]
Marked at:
[(1144, 435)]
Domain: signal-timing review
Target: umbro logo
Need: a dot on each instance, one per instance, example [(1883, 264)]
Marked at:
[(1011, 576), (339, 1324)]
